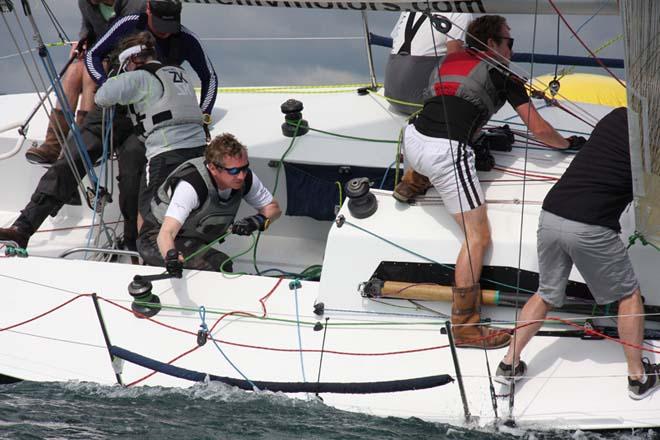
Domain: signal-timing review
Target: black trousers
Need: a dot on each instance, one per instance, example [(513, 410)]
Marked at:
[(58, 186), (210, 260)]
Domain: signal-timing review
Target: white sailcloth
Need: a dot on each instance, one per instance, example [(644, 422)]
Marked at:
[(641, 24)]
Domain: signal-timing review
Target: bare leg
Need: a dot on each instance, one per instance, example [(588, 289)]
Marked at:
[(468, 265), (88, 91), (631, 330), (72, 84), (534, 310)]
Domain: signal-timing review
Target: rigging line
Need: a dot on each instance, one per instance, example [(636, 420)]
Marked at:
[(584, 45), (58, 131), (577, 31), (512, 390), (58, 27), (464, 146), (556, 64), (279, 38), (27, 68), (507, 68)]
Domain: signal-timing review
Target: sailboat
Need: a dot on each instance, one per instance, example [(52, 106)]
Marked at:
[(353, 338)]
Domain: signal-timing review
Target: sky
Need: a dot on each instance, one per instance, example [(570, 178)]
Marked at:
[(297, 62)]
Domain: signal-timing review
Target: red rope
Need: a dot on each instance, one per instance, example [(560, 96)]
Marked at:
[(523, 173), (602, 335), (44, 313), (262, 301), (584, 45)]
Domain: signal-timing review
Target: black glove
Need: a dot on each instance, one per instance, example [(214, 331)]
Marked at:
[(575, 143), (172, 263), (248, 225)]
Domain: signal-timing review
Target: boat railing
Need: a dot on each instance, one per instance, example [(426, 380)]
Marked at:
[(107, 251), (19, 141)]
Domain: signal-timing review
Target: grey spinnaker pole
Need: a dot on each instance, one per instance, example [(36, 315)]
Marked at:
[(372, 71)]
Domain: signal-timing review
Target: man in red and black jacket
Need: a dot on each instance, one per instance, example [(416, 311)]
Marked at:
[(467, 89)]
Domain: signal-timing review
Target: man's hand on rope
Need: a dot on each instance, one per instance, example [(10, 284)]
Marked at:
[(174, 263), (575, 143), (248, 225)]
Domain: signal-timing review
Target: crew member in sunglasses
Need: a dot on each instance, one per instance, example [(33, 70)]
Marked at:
[(196, 205), (466, 90)]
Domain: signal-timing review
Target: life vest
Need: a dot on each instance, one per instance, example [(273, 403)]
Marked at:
[(178, 104), (214, 215), (466, 75)]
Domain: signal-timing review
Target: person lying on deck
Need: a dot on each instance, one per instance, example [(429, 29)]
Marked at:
[(197, 203), (579, 224)]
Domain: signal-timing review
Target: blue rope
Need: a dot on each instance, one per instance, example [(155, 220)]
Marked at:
[(295, 284), (106, 148), (382, 182), (205, 329), (68, 113)]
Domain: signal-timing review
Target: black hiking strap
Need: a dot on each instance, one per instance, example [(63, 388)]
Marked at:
[(410, 32)]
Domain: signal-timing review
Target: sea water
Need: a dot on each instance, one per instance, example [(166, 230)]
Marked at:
[(77, 410)]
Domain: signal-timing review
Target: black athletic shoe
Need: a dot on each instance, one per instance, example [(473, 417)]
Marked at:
[(638, 390), (505, 374)]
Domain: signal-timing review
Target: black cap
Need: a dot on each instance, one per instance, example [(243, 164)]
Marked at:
[(166, 15)]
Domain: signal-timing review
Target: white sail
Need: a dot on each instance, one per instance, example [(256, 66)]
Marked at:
[(569, 7), (641, 23)]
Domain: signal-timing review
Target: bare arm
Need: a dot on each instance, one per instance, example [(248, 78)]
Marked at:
[(271, 211), (167, 234), (541, 129), (454, 46)]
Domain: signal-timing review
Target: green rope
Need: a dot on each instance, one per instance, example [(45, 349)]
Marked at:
[(11, 251), (410, 251), (396, 101), (233, 257), (639, 236), (206, 247), (345, 136), (280, 165), (341, 198)]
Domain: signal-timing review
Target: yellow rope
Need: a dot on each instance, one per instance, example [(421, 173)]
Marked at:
[(321, 89)]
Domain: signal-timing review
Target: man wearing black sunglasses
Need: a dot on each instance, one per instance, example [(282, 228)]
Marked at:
[(466, 90), (197, 204)]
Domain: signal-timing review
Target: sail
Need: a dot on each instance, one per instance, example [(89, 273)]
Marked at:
[(569, 7), (641, 26)]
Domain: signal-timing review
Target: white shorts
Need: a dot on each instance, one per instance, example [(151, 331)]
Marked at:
[(449, 167)]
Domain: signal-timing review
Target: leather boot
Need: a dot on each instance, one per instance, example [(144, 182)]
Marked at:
[(49, 151), (412, 185), (80, 117), (465, 318)]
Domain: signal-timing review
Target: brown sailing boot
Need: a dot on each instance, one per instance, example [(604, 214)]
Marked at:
[(80, 117), (465, 317), (49, 151), (412, 185)]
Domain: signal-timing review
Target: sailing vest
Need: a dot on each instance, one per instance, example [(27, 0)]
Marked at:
[(178, 104), (466, 75), (214, 215)]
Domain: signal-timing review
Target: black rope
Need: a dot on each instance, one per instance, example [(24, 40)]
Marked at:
[(61, 33), (318, 377)]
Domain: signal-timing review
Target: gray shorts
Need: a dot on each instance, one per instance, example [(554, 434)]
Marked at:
[(597, 251)]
